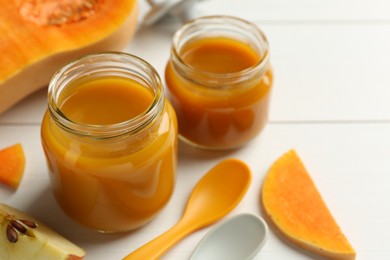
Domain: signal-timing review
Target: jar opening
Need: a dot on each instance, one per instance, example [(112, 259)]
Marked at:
[(95, 68), (214, 27)]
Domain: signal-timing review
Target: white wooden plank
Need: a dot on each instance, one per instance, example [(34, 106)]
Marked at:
[(348, 162), (290, 11), (28, 111), (330, 72)]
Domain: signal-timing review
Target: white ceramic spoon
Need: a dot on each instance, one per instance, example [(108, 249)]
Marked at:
[(239, 238)]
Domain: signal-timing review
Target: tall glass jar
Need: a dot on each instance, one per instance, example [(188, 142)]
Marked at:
[(219, 81), (110, 139)]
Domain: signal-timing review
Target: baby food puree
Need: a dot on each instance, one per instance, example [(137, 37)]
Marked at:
[(219, 82), (110, 143)]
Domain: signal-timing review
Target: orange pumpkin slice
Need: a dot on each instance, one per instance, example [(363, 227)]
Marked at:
[(12, 162), (292, 202)]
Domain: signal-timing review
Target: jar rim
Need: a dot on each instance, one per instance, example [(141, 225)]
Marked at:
[(131, 63), (261, 65)]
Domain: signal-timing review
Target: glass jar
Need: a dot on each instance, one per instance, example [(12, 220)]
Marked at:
[(219, 81), (110, 139)]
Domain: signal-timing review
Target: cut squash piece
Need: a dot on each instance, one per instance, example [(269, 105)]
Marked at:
[(12, 163), (23, 237), (37, 37), (294, 205)]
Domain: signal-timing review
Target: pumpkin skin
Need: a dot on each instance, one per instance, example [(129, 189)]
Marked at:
[(33, 49), (295, 207)]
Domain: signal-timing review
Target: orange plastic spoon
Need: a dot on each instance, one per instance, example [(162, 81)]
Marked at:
[(215, 195)]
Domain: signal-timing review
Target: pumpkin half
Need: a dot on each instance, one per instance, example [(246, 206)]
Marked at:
[(37, 37), (293, 203)]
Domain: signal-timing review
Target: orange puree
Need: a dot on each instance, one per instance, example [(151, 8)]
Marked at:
[(94, 103), (214, 111), (219, 55), (117, 183)]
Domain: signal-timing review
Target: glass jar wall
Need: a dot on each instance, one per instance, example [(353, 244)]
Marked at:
[(219, 81), (110, 139)]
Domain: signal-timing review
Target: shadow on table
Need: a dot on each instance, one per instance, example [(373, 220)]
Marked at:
[(189, 153), (45, 208)]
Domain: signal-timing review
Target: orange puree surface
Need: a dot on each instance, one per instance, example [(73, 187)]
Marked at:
[(225, 114), (219, 55), (92, 102), (111, 184)]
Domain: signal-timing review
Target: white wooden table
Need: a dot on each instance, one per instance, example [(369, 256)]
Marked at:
[(331, 102)]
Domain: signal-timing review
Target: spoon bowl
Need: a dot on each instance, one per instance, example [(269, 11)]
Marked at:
[(215, 195), (239, 238)]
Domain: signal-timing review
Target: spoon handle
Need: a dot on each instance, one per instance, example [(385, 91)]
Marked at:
[(158, 246)]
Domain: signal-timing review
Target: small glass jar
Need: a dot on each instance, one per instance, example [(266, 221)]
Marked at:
[(219, 81), (113, 176)]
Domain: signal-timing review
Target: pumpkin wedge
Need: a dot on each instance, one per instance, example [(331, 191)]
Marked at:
[(12, 162), (294, 205), (37, 37)]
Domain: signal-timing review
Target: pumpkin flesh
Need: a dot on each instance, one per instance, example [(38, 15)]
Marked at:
[(294, 205), (31, 51), (12, 163)]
